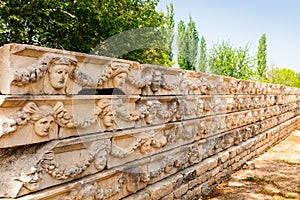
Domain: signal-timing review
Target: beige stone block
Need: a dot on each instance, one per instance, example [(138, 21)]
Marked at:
[(198, 191), (212, 162), (232, 151), (163, 109), (202, 167), (201, 83), (172, 162), (27, 120), (130, 145), (216, 124), (160, 189), (177, 180), (215, 171), (223, 156), (53, 163), (188, 195), (201, 179), (135, 177), (109, 185), (101, 113), (160, 166), (27, 69), (235, 166), (160, 80), (168, 197), (35, 119), (193, 183), (142, 195)]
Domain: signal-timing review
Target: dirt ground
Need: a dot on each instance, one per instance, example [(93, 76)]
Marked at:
[(275, 175)]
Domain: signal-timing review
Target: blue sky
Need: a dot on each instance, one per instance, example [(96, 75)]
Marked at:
[(244, 21)]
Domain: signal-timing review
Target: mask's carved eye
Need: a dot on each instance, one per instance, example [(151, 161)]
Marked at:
[(44, 122)]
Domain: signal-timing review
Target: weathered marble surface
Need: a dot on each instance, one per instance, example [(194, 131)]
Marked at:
[(189, 164), (33, 119), (26, 69), (29, 69), (56, 162), (78, 126), (48, 118)]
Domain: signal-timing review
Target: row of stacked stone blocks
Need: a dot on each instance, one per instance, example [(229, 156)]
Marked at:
[(66, 116)]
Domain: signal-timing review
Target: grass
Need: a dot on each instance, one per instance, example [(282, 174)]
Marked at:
[(271, 192), (258, 180)]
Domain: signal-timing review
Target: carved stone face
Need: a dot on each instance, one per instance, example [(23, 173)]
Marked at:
[(184, 85), (168, 167), (156, 81), (119, 80), (42, 126), (58, 76), (133, 183), (146, 146), (100, 160), (109, 119), (152, 108), (31, 180)]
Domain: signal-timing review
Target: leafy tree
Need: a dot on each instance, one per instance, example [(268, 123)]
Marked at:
[(262, 57), (82, 25), (203, 56), (181, 44), (284, 76), (187, 43), (170, 23), (230, 61)]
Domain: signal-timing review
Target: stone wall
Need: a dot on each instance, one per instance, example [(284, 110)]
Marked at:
[(78, 126)]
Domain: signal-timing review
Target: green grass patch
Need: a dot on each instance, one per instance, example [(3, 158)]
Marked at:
[(258, 180)]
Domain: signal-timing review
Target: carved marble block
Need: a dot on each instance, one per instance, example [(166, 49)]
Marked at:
[(136, 144), (45, 119), (25, 121), (26, 69), (159, 80), (34, 119), (117, 184), (56, 162), (77, 127), (102, 114)]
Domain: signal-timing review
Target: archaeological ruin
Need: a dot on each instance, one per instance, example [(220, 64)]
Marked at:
[(75, 126)]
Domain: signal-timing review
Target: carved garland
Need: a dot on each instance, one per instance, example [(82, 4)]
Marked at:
[(61, 173), (37, 71), (29, 112)]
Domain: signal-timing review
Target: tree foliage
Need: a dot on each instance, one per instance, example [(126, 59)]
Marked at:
[(203, 55), (284, 76), (262, 57), (187, 43), (80, 25), (170, 24), (231, 61)]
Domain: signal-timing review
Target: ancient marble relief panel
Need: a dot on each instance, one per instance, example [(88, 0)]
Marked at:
[(52, 163), (36, 70)]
